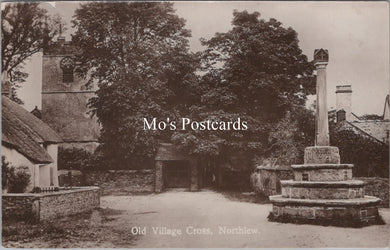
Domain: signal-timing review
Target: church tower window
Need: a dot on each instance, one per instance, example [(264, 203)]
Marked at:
[(67, 66)]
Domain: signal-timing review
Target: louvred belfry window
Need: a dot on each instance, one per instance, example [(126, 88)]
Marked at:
[(67, 65)]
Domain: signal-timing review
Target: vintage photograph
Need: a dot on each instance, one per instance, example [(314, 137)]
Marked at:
[(195, 124)]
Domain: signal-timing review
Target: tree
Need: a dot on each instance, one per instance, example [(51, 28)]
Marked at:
[(25, 29), (137, 52), (291, 135), (255, 71)]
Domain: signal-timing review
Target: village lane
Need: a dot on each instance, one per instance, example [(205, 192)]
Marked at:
[(206, 219)]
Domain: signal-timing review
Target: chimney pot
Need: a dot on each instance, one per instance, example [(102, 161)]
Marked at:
[(343, 100), (343, 89)]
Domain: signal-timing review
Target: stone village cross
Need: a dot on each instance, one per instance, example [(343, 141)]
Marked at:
[(322, 188)]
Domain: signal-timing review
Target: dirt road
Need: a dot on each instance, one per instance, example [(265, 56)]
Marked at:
[(208, 219)]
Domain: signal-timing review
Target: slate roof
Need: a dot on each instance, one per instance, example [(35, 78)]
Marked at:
[(25, 133), (374, 128)]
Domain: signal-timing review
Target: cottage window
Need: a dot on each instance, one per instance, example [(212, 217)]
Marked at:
[(305, 177)]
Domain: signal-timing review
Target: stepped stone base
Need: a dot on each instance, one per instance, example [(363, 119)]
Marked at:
[(322, 172), (323, 192), (360, 210)]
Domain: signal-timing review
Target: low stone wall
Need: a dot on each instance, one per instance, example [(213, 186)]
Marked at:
[(48, 206), (122, 181), (378, 187), (19, 207)]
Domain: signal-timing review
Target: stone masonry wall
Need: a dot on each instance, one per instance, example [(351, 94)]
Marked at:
[(378, 187), (18, 207), (122, 181), (47, 206), (68, 202)]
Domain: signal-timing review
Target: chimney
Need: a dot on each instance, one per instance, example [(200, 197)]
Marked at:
[(343, 100)]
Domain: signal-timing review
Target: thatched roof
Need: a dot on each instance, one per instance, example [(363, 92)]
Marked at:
[(25, 133), (168, 152)]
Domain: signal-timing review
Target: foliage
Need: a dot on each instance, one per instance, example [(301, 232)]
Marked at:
[(138, 54), (5, 172), (25, 29), (370, 157), (255, 72), (291, 135), (372, 117), (14, 179), (76, 159)]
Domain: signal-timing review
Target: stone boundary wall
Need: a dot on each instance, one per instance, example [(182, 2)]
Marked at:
[(19, 207), (48, 206), (378, 187), (122, 182)]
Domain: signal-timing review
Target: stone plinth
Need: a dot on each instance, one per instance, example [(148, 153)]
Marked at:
[(322, 190), (322, 155), (322, 172)]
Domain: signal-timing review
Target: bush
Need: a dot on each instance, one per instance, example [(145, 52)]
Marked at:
[(15, 179), (5, 172), (19, 180), (76, 159), (36, 190)]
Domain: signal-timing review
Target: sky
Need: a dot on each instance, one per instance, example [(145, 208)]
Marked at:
[(356, 35)]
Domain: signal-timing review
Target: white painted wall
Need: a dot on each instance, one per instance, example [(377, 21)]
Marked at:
[(52, 150), (44, 175), (40, 174)]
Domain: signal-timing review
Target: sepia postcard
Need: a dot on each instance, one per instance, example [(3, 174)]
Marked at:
[(195, 124)]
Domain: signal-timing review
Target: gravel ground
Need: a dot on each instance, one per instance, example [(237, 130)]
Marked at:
[(178, 219), (208, 219)]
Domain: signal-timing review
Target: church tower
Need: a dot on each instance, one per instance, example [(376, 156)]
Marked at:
[(65, 97)]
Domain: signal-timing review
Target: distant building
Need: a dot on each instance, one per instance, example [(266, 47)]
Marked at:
[(65, 97), (28, 142), (376, 128)]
